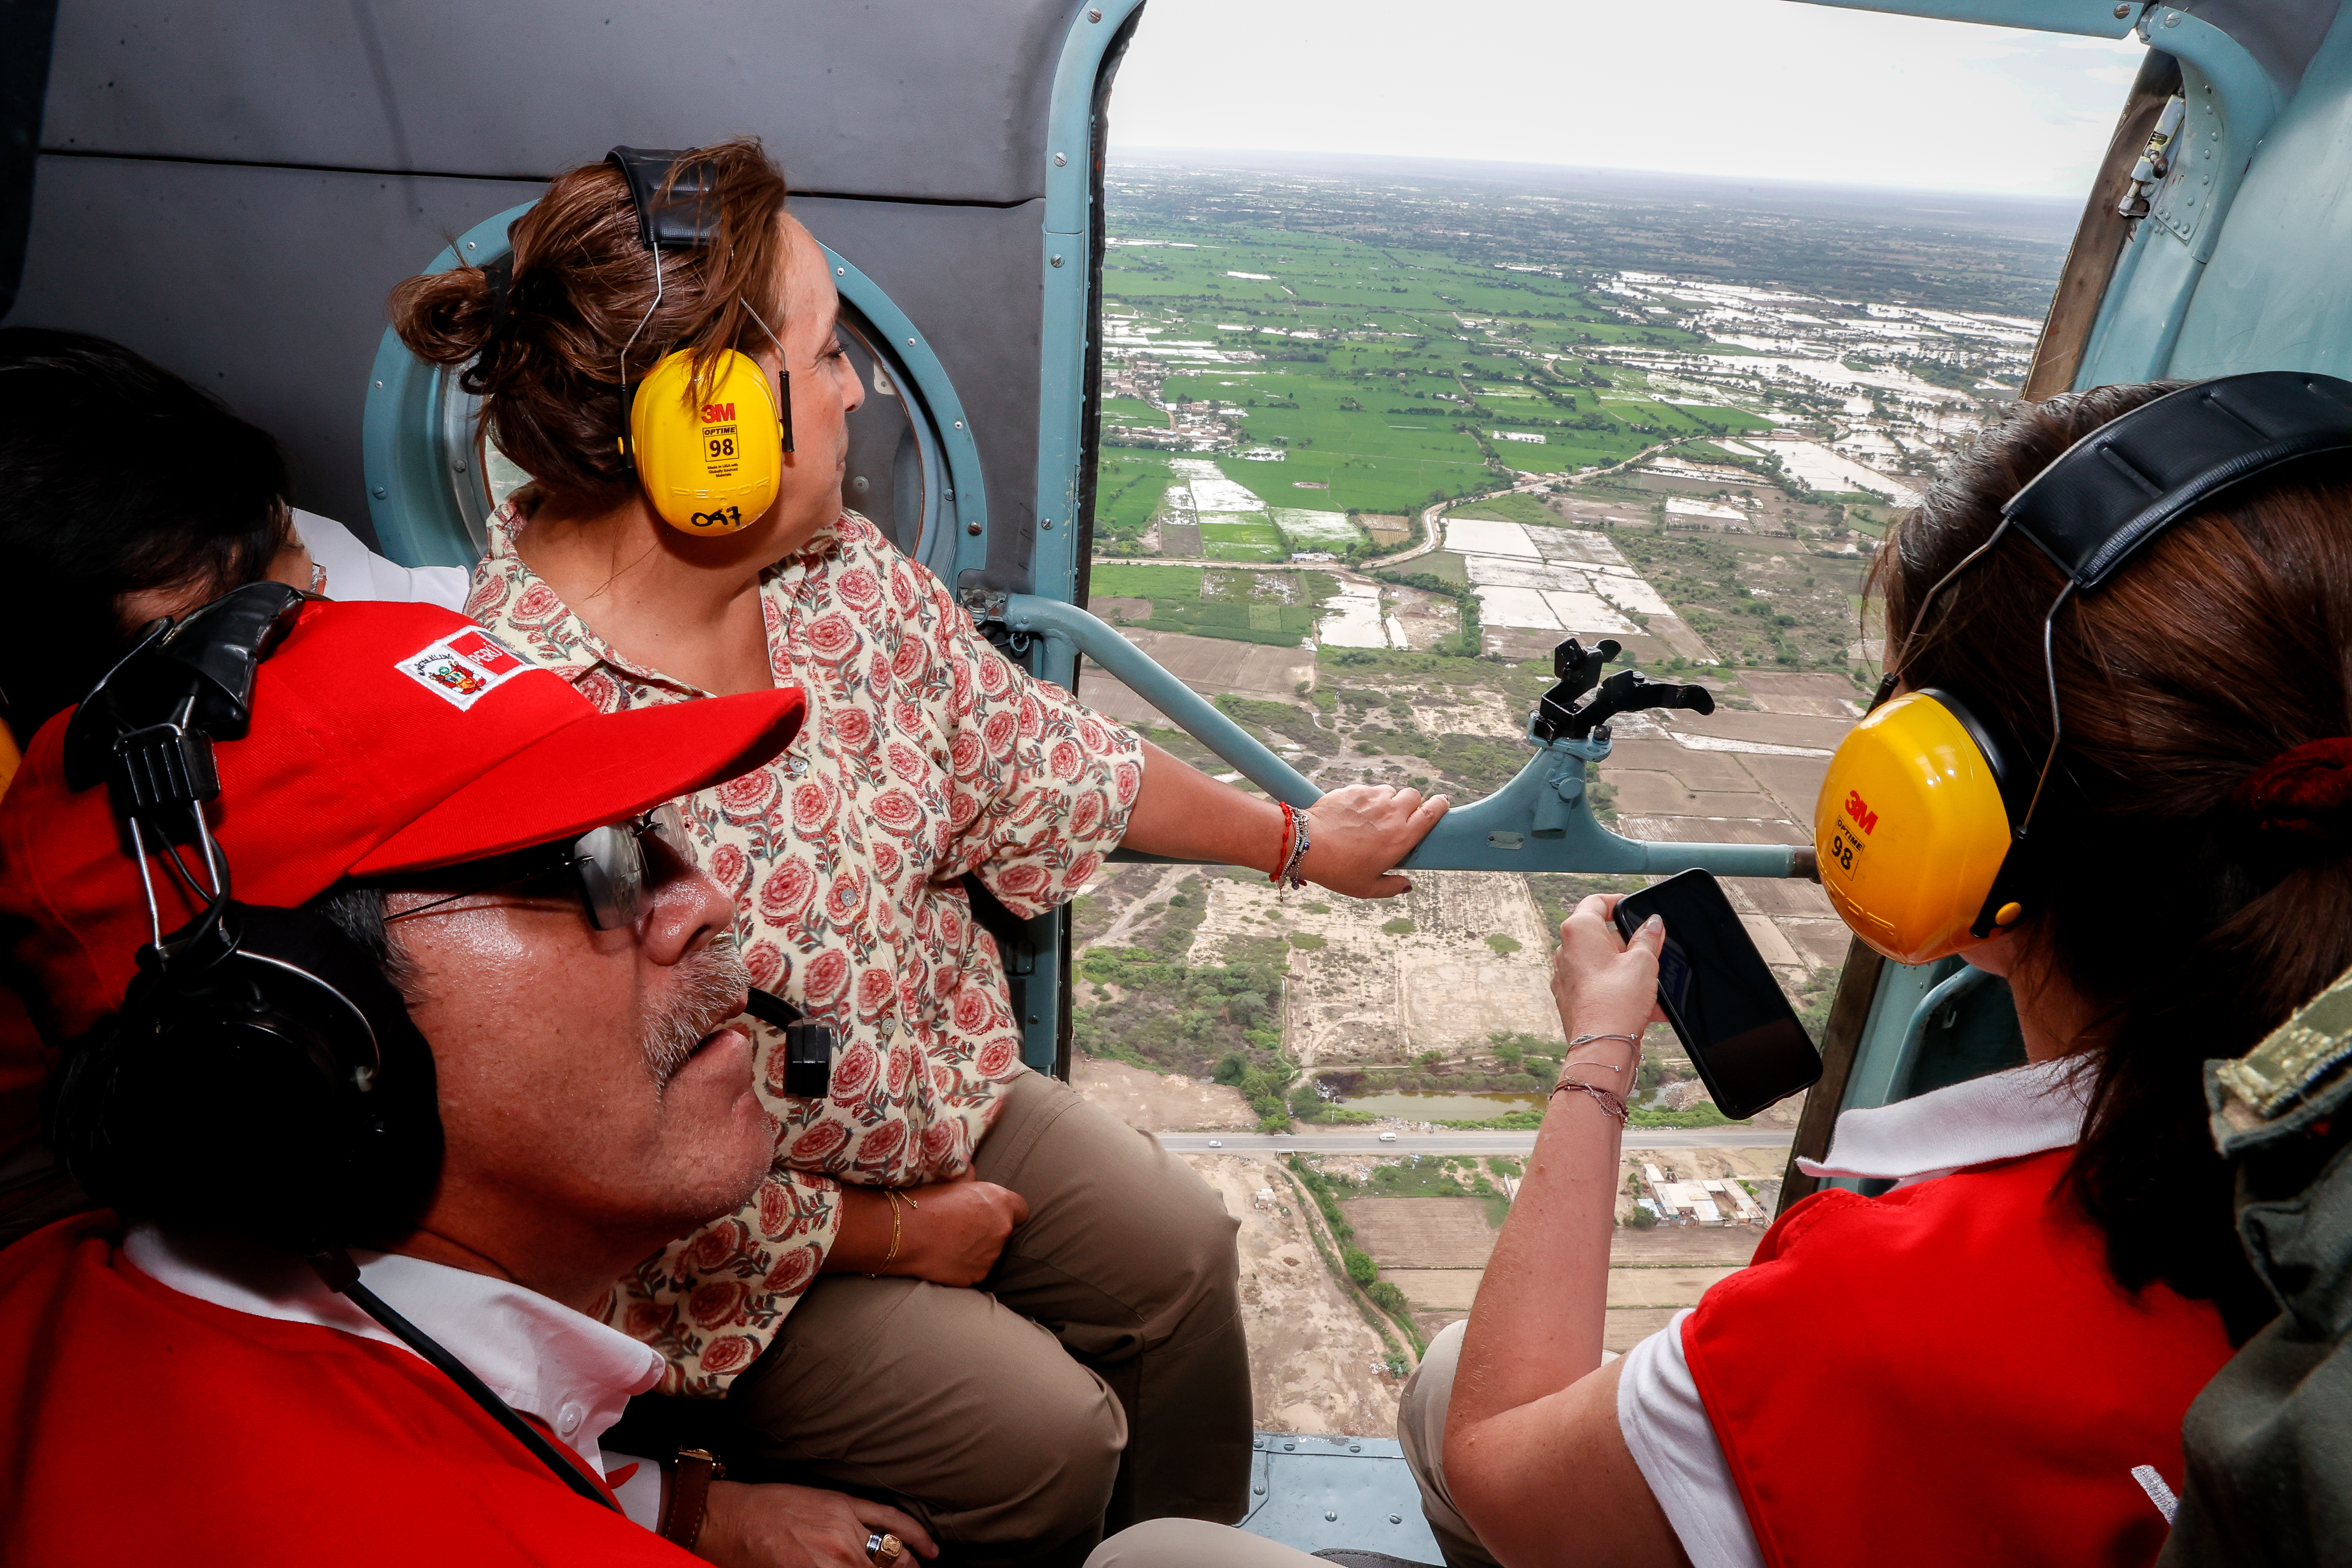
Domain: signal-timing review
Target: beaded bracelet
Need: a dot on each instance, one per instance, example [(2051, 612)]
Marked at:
[(1300, 844)]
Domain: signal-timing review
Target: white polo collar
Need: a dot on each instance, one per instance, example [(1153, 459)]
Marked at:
[(540, 1356), (2002, 1116)]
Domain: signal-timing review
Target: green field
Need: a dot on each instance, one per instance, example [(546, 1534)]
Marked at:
[(1510, 509), (1243, 542), (1382, 376), (1275, 608)]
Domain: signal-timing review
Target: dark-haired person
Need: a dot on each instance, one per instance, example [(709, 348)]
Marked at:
[(127, 493), (1989, 1363), (837, 1311), (173, 1388)]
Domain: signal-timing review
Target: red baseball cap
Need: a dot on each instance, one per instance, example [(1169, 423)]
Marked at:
[(386, 738)]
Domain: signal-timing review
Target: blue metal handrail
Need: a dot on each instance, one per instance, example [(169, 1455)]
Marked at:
[(1540, 821)]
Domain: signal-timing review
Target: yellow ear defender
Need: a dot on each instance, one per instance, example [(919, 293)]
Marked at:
[(1923, 824), (1913, 825), (709, 449)]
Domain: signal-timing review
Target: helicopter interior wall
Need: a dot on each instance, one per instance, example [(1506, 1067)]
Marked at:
[(945, 103), (265, 286), (268, 285), (2273, 295), (302, 159)]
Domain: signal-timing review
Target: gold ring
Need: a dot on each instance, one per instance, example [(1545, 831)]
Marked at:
[(882, 1551)]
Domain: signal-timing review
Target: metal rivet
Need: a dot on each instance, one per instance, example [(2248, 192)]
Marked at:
[(1288, 1445), (1259, 1488), (1047, 525), (840, 272), (911, 342), (859, 484), (971, 528), (1332, 1514), (1396, 1518), (958, 424), (1060, 159), (1094, 15), (379, 384), (2121, 12), (1257, 1442), (2172, 18), (470, 245), (1355, 1447), (1057, 262), (460, 465), (380, 492)]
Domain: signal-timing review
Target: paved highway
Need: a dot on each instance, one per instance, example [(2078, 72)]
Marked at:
[(1321, 1142)]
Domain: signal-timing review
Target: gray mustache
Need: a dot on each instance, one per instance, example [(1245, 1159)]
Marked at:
[(709, 989)]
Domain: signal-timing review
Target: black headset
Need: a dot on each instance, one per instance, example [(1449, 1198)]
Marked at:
[(262, 1074)]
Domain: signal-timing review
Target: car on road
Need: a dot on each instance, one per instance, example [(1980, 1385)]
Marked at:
[(1216, 1144), (1388, 1137)]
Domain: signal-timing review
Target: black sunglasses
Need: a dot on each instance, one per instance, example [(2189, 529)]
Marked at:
[(607, 866)]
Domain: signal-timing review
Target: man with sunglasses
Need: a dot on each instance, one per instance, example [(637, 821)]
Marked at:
[(175, 1392)]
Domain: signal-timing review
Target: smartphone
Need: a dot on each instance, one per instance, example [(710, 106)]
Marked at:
[(1717, 992)]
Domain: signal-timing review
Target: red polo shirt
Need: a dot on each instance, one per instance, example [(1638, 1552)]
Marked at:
[(1947, 1376), (139, 1425)]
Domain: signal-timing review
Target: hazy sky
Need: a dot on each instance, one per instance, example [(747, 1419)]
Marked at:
[(1757, 87)]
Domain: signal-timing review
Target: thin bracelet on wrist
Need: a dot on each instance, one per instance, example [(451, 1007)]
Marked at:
[(1615, 1104)]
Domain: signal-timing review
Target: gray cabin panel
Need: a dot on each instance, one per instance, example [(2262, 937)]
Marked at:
[(2276, 295), (265, 286), (968, 276), (924, 99), (268, 285)]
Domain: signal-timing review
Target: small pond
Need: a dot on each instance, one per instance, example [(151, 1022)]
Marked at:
[(1444, 1107)]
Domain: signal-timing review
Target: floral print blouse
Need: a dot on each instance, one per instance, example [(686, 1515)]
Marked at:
[(925, 755)]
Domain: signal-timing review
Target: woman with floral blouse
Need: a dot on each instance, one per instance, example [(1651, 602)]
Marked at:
[(1097, 1373)]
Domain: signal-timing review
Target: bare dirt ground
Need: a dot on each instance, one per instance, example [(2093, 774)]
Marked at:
[(1159, 1102), (1315, 1364), (1422, 1233), (1210, 666), (1436, 1250), (1358, 992), (1425, 617)]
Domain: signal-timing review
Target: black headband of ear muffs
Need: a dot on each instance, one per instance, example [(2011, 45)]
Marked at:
[(684, 220), (2126, 482)]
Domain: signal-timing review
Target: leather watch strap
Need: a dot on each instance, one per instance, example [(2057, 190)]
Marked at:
[(690, 1496)]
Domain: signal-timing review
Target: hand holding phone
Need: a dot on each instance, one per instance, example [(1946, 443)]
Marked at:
[(1604, 984), (1720, 996)]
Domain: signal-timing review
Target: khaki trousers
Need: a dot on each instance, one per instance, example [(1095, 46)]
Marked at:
[(1421, 1429), (1097, 1376)]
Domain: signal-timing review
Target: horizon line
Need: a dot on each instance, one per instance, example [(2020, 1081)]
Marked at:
[(1242, 154)]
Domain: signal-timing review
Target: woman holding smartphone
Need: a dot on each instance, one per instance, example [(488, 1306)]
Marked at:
[(1989, 1363)]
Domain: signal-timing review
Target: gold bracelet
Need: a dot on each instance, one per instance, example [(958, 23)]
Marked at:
[(896, 1197)]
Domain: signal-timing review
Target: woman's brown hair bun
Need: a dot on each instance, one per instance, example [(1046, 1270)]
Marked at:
[(544, 352), (444, 317)]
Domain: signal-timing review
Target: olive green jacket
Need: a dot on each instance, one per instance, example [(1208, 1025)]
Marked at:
[(2269, 1442)]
